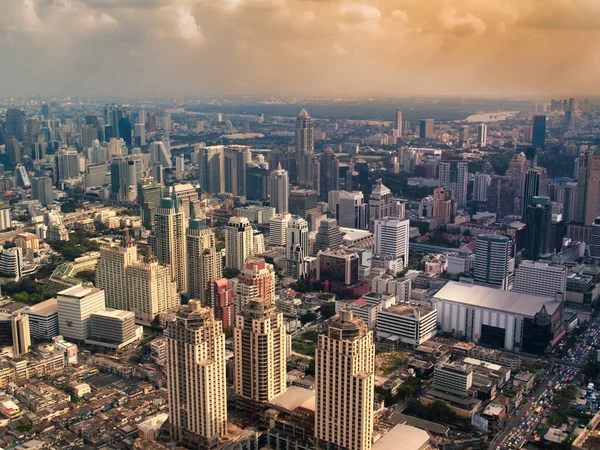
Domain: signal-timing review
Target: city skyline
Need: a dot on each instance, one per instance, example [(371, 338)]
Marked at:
[(274, 46)]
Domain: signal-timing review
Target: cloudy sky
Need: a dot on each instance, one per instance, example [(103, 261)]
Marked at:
[(303, 47)]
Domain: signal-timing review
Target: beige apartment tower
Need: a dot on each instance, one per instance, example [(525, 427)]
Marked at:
[(239, 242), (20, 333), (345, 374), (204, 263), (260, 352), (196, 378), (111, 272)]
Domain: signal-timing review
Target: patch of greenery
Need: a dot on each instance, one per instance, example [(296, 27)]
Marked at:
[(393, 362), (327, 310), (306, 343), (26, 290), (87, 275), (77, 245)]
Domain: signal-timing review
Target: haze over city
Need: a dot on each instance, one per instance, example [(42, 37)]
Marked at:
[(153, 48)]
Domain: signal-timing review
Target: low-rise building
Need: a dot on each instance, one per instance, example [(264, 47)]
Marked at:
[(412, 324)]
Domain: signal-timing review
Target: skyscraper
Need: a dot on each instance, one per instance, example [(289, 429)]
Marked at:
[(212, 169), (391, 238), (350, 209), (517, 170), (463, 136), (15, 124), (280, 190), (330, 168), (257, 181), (204, 263), (111, 273), (328, 236), (536, 184), (398, 122), (380, 203), (539, 131), (305, 149), (150, 194), (75, 307), (538, 220), (595, 239), (238, 242), (21, 336), (278, 230), (296, 246), (588, 188), (426, 128), (67, 163), (219, 298), (494, 266), (260, 348), (344, 379), (454, 176), (442, 205), (256, 280), (196, 378), (151, 289), (42, 190), (481, 182), (235, 159), (482, 135), (119, 179), (169, 239)]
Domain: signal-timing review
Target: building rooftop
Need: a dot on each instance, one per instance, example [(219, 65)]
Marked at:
[(408, 310), (295, 397), (496, 299), (402, 437), (114, 313), (79, 291), (353, 234), (45, 308)]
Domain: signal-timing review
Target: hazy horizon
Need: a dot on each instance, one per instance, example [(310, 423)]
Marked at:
[(511, 49)]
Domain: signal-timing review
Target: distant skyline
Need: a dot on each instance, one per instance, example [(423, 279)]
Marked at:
[(328, 48)]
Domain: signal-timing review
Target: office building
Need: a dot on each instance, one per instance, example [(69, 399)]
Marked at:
[(426, 128), (204, 263), (21, 336), (169, 239), (15, 124), (595, 239), (330, 171), (350, 209), (42, 190), (494, 266), (380, 203), (482, 135), (538, 220), (43, 320), (278, 230), (407, 324), (11, 263), (338, 267), (5, 220), (536, 184), (113, 328), (67, 164), (454, 176), (305, 149), (442, 205), (238, 242), (75, 306), (499, 319), (296, 246), (196, 377), (279, 190), (187, 194), (220, 298), (588, 188), (541, 279), (151, 289), (257, 181), (150, 194), (302, 200), (344, 379), (453, 378), (260, 348), (517, 171), (235, 159), (398, 122), (212, 169), (391, 238), (328, 236), (463, 136), (539, 131), (160, 154), (481, 182), (256, 280), (111, 273)]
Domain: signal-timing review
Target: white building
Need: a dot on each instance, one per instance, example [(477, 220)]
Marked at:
[(278, 230), (11, 263), (279, 183), (411, 324), (349, 208), (43, 319), (391, 238), (75, 306), (399, 287), (540, 278), (238, 242), (296, 246), (482, 135), (453, 378), (481, 182), (460, 263), (454, 176), (4, 219)]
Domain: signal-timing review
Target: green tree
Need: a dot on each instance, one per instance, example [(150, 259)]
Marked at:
[(308, 317), (87, 275), (328, 310)]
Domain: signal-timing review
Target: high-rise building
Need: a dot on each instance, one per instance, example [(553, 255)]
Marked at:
[(539, 131), (494, 266), (538, 220), (426, 128), (344, 379), (260, 348), (482, 135), (442, 205), (167, 121), (301, 200), (160, 154), (187, 194), (463, 136), (42, 190), (43, 320), (257, 181), (398, 122), (517, 171), (204, 263), (380, 203), (565, 193), (541, 279), (21, 336), (330, 171), (150, 194), (67, 164), (296, 246), (536, 185), (119, 179), (328, 236), (235, 159), (220, 298), (111, 273), (212, 169), (196, 377), (595, 239), (481, 182), (305, 148), (169, 239), (280, 190), (151, 289), (350, 209), (278, 230), (588, 188), (454, 176), (15, 124), (238, 242), (75, 306), (391, 238), (256, 280)]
